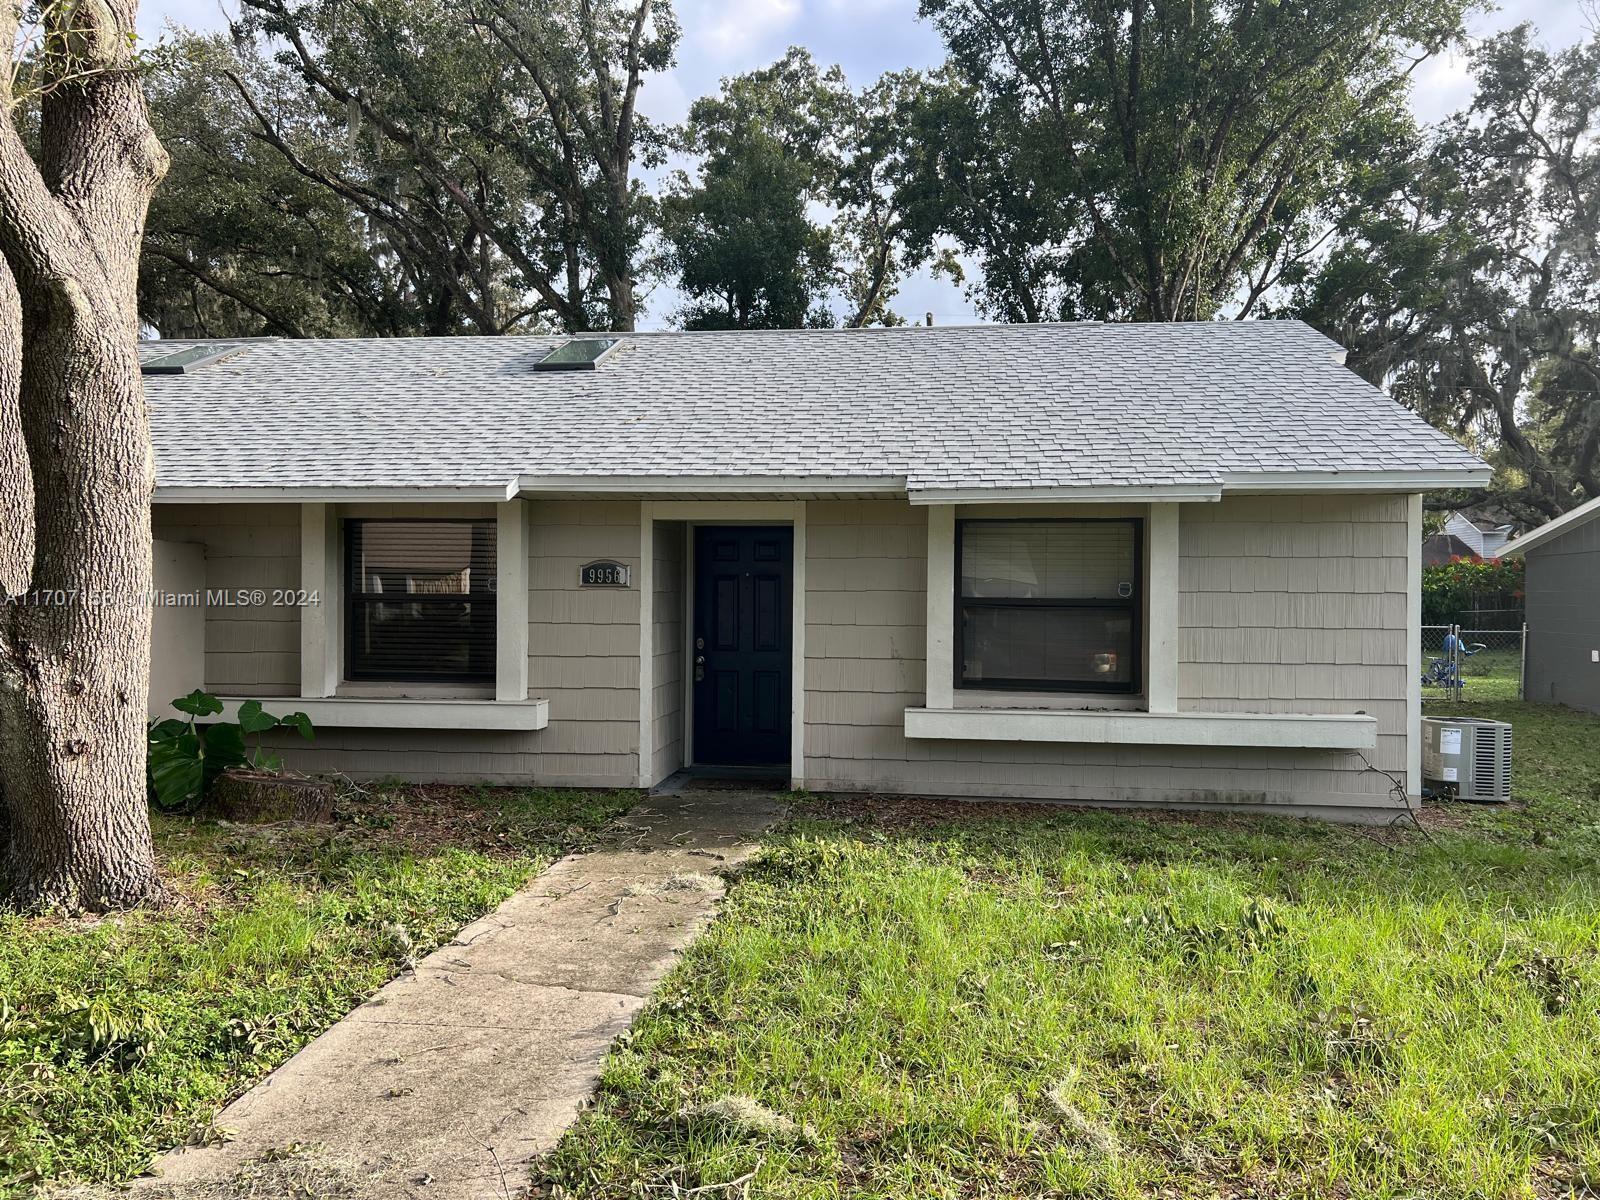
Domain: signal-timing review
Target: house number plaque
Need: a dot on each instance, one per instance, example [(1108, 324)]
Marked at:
[(604, 572)]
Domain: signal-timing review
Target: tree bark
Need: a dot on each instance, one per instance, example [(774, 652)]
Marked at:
[(16, 484), (75, 651)]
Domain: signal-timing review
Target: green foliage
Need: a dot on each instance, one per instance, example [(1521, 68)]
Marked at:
[(122, 1038), (1154, 162), (185, 757), (1453, 588), (407, 166), (744, 249), (241, 244), (1102, 1004), (1468, 281), (776, 147)]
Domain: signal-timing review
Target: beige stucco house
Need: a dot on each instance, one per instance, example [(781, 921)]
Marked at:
[(1171, 565)]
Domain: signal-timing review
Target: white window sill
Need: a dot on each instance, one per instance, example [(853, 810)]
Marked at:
[(352, 712), (1296, 731)]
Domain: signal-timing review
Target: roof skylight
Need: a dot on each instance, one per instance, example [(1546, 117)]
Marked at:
[(578, 354), (181, 362)]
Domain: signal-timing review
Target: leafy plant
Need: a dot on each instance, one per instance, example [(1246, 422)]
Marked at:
[(1463, 584), (185, 757)]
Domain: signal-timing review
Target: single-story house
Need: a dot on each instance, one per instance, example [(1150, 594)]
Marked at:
[(1169, 565), (1562, 595), (1485, 536), (1441, 548)]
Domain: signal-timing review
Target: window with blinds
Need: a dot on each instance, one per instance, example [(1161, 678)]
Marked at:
[(1048, 605), (420, 600)]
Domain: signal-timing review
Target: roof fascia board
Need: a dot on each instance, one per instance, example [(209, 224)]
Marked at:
[(332, 495), (888, 485), (1355, 481), (1551, 530), (1176, 493)]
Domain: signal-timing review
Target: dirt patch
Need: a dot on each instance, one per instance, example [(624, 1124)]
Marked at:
[(425, 820), (908, 812)]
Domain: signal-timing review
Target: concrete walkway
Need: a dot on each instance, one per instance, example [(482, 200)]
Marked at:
[(449, 1082)]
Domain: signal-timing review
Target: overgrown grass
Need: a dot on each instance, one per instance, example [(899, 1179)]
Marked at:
[(1490, 675), (121, 1038), (947, 1003)]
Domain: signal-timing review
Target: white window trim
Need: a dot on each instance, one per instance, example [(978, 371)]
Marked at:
[(367, 712), (715, 512), (1160, 690), (1414, 647), (1293, 731), (322, 634)]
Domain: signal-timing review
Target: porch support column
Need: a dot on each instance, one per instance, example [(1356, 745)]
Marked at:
[(511, 601), (1414, 648), (941, 605), (797, 671), (1162, 608), (321, 649), (646, 583)]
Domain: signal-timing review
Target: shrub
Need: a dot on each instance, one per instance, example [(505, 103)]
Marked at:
[(1462, 584), (186, 757)]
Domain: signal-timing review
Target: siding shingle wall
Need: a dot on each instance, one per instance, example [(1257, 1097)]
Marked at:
[(583, 650), (1287, 605), (251, 650), (1563, 599), (667, 642)]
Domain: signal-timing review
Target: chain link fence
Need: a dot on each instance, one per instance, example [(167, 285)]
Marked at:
[(1473, 664)]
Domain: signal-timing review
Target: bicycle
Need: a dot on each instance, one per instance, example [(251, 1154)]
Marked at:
[(1445, 672)]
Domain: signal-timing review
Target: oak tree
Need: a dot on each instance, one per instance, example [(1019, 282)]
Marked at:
[(500, 135), (78, 164), (793, 215), (240, 244), (1141, 160), (1469, 284)]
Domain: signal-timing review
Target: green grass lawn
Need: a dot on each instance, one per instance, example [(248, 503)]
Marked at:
[(121, 1038), (924, 1000), (1490, 675)]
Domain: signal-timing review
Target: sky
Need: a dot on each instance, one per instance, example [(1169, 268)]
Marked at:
[(869, 37)]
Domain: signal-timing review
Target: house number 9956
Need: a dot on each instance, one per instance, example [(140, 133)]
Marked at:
[(603, 573)]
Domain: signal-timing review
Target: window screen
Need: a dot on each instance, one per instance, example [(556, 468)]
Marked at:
[(421, 601), (1048, 605)]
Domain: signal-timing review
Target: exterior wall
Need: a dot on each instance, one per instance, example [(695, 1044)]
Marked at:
[(583, 650), (866, 644), (668, 634), (1298, 605), (1562, 586), (583, 643), (1286, 605), (251, 649), (179, 628), (1259, 632)]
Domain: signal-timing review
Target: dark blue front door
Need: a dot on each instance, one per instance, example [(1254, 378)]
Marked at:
[(743, 618)]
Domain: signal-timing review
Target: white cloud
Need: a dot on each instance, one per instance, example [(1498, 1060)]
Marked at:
[(1441, 86), (206, 16), (726, 29)]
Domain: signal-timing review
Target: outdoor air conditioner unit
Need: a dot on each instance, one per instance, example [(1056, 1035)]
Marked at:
[(1467, 757)]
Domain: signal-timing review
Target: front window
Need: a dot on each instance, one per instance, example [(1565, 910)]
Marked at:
[(421, 601), (1048, 605)]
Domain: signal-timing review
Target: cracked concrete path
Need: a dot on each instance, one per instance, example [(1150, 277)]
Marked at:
[(449, 1082)]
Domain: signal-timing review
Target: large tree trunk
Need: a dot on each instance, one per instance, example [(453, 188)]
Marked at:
[(75, 655), (16, 484)]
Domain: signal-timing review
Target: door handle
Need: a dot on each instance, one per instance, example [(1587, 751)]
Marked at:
[(699, 667)]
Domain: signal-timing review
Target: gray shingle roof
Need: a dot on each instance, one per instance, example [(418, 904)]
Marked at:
[(976, 407)]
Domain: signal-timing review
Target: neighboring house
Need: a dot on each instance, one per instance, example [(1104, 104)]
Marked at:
[(1484, 536), (1441, 548), (1173, 565), (1562, 589)]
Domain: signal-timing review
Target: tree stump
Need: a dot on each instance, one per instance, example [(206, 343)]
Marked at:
[(260, 797)]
